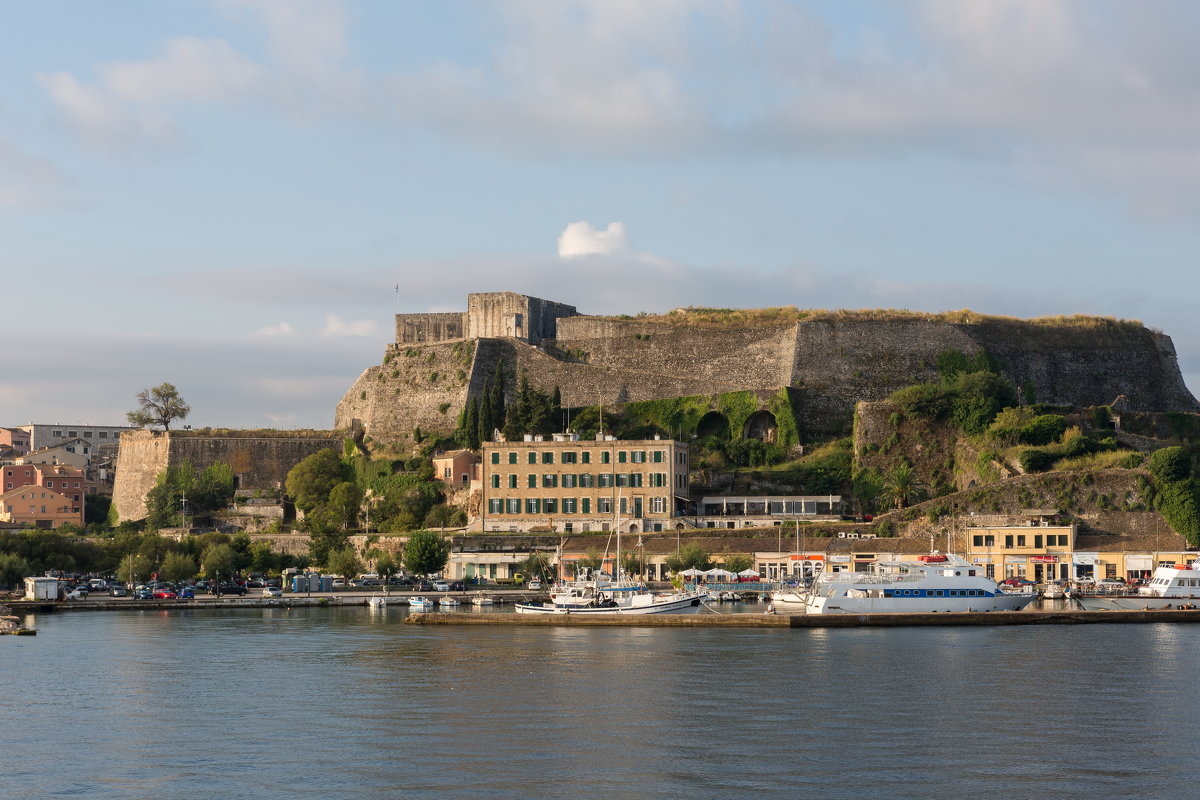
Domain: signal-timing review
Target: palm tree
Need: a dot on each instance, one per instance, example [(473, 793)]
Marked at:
[(902, 484)]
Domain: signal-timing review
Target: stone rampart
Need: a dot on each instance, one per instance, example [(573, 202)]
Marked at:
[(258, 463), (430, 328)]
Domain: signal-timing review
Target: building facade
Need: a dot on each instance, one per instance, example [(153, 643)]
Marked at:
[(39, 507), (568, 485), (105, 438), (16, 438)]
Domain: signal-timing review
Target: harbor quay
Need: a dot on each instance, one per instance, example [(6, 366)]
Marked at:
[(889, 620)]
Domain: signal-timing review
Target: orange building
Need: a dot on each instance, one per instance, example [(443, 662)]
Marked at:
[(39, 507)]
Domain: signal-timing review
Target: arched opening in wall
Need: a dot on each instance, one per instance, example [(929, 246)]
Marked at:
[(761, 426), (679, 526), (713, 425), (633, 528)]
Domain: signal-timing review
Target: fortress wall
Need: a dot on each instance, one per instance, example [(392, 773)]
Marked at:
[(258, 462), (416, 387), (1084, 366), (507, 314), (430, 328)]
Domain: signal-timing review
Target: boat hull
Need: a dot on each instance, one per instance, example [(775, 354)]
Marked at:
[(1131, 602), (683, 605)]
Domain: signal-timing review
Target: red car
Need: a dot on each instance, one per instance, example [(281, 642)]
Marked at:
[(164, 594)]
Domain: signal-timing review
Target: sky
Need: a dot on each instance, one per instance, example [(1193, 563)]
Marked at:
[(226, 194)]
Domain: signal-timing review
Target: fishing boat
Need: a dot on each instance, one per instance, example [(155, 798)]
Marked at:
[(1174, 586), (620, 599), (448, 602), (935, 583), (419, 603), (482, 600)]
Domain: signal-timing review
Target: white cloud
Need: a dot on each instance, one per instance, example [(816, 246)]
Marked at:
[(192, 69), (100, 120), (581, 239), (336, 326), (282, 329)]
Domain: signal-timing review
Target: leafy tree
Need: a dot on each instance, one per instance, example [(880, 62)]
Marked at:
[(426, 552), (160, 405), (345, 562), (444, 516), (1170, 464), (324, 537), (535, 564), (177, 567), (134, 569), (690, 556), (633, 564), (385, 565), (96, 508), (205, 493), (219, 560), (738, 562), (13, 570), (263, 559), (344, 502), (902, 485), (310, 482), (1044, 429)]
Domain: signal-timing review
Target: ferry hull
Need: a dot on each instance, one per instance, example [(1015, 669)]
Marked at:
[(923, 605), (1131, 602)]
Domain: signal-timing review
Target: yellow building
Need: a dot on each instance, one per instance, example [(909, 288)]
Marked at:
[(565, 484)]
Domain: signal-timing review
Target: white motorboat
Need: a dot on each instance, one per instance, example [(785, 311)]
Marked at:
[(482, 600), (620, 599), (448, 602), (1176, 586), (419, 603), (1054, 590), (790, 596), (935, 583)]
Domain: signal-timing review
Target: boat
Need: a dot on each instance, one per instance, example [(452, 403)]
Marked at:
[(482, 600), (376, 602), (618, 598), (1174, 586), (1054, 590), (448, 602), (934, 583), (790, 596), (419, 603)]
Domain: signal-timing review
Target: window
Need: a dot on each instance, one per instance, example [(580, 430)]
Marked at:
[(87, 434), (570, 457), (586, 457), (569, 505), (606, 480), (50, 485), (587, 480), (658, 456), (512, 456), (533, 505), (103, 434), (532, 457), (977, 541), (624, 503), (658, 505), (621, 455), (549, 506), (635, 479), (622, 479), (512, 481), (658, 479), (495, 505), (1008, 540), (638, 456), (549, 481), (495, 458), (605, 457), (603, 505), (513, 505), (548, 457), (586, 505), (531, 481), (58, 434), (1020, 540), (1037, 540), (570, 481), (495, 481)]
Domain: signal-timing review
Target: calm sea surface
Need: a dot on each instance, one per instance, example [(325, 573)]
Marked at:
[(346, 703)]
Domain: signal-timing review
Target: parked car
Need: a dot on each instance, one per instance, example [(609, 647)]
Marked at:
[(272, 591), (441, 586), (232, 588), (116, 590), (339, 583), (186, 593), (458, 586), (142, 593), (535, 585), (1016, 582), (77, 594), (423, 586), (165, 594), (1111, 585)]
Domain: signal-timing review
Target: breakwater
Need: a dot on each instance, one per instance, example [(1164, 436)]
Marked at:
[(1066, 617)]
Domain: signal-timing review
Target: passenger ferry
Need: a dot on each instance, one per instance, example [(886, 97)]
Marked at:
[(1176, 586), (935, 583)]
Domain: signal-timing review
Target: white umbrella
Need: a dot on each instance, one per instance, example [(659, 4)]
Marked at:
[(748, 573), (717, 572), (691, 573)]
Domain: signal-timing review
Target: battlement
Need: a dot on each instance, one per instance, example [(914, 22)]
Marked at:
[(489, 315)]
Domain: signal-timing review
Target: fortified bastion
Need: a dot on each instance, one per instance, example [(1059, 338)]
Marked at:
[(828, 360), (259, 462)]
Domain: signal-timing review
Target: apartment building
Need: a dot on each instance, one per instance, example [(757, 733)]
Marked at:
[(39, 507), (565, 484)]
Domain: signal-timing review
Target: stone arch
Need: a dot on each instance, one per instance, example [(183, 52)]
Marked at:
[(714, 425), (633, 528), (761, 425)]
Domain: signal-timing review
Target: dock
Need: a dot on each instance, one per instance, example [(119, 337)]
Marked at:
[(808, 620)]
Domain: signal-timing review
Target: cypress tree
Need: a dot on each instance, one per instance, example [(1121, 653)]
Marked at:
[(486, 420), (497, 396), (471, 426)]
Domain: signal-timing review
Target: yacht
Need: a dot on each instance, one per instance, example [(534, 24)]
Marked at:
[(935, 583), (1175, 586)]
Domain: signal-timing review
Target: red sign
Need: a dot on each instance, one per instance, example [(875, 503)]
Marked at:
[(807, 557), (1044, 559)]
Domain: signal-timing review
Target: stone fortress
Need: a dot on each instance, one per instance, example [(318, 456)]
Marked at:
[(826, 360)]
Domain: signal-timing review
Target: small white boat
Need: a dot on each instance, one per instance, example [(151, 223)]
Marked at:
[(376, 602), (482, 600), (419, 603), (1054, 590), (448, 602), (623, 600), (789, 596), (1176, 586)]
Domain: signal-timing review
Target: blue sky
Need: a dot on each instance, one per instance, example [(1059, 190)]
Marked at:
[(223, 194)]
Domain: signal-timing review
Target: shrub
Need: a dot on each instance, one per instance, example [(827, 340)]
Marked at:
[(1034, 460), (1046, 429), (1170, 464), (1177, 504)]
